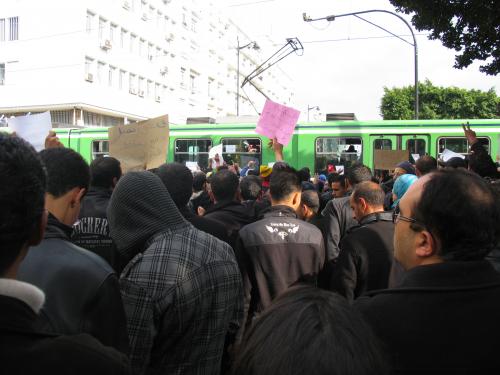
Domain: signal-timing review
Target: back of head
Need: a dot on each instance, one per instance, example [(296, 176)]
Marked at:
[(250, 187), (426, 164), (178, 180), (358, 173), (460, 209), (105, 172), (224, 185), (371, 192), (283, 183), (456, 162), (22, 196), (311, 199), (66, 170), (199, 180), (139, 208), (304, 174), (310, 331), (334, 177)]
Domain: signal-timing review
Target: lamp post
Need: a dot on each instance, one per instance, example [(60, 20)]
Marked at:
[(315, 107), (355, 14), (253, 45)]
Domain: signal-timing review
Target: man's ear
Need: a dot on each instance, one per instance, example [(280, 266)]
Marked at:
[(425, 245), (297, 198), (39, 230)]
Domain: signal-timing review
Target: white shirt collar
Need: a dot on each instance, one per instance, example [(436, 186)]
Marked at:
[(25, 292)]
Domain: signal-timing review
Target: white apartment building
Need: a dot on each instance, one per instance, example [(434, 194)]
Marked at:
[(105, 62)]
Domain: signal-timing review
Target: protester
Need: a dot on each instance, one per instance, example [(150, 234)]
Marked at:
[(310, 331), (337, 188), (447, 306), (178, 180), (24, 349), (200, 196), (228, 209), (265, 175), (83, 295), (309, 205), (279, 250), (425, 164), (252, 196), (181, 288), (337, 214), (366, 251), (92, 230), (480, 162), (401, 185)]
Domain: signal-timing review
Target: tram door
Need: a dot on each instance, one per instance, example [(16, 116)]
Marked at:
[(381, 142)]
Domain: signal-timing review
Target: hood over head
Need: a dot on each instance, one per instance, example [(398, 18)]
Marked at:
[(140, 207)]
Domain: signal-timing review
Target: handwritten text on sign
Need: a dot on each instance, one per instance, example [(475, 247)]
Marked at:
[(140, 146), (278, 121)]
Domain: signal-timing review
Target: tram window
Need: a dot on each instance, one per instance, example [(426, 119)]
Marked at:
[(338, 152), (459, 144), (416, 146), (193, 150), (242, 150), (382, 144), (100, 148)]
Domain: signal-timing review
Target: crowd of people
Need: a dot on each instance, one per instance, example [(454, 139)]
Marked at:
[(253, 271)]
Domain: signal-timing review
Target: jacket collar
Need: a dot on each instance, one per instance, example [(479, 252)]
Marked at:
[(27, 293), (56, 229), (376, 216), (99, 191), (280, 211), (224, 204), (451, 274)]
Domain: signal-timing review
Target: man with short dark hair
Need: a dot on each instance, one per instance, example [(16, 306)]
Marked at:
[(280, 250), (252, 196), (309, 205), (443, 317), (83, 295), (338, 214), (178, 180), (228, 209), (92, 230), (200, 199), (366, 250), (425, 164), (337, 188), (23, 348)]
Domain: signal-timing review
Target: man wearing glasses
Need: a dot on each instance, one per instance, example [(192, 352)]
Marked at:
[(443, 317)]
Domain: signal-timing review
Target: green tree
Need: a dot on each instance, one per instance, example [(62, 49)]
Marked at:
[(439, 103), (470, 27)]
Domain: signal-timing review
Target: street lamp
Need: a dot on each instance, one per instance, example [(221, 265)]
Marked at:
[(309, 108), (355, 14), (253, 45)]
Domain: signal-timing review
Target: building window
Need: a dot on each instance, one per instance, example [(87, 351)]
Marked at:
[(111, 76), (112, 32), (88, 66), (132, 83), (2, 74), (183, 77), (121, 79), (141, 87), (211, 94), (123, 37), (14, 28), (193, 79), (149, 88), (336, 151), (90, 21), (100, 72), (150, 51), (193, 25), (157, 92), (102, 25), (142, 47), (133, 39)]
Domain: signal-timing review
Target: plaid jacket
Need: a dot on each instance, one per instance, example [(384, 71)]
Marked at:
[(181, 296)]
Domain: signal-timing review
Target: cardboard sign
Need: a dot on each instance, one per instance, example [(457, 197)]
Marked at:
[(32, 128), (140, 146), (278, 121), (388, 159)]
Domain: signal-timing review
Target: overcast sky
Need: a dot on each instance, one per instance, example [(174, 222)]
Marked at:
[(346, 63)]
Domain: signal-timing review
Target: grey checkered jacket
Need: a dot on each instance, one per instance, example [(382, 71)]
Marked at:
[(182, 288)]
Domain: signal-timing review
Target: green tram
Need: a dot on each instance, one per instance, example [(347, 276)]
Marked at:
[(314, 145)]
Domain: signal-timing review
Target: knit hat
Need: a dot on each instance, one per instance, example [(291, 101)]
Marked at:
[(406, 165), (265, 171)]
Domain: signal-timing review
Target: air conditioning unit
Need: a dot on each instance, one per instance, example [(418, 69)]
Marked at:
[(164, 70), (126, 5), (89, 77), (141, 93), (158, 98), (106, 44), (132, 91), (144, 16)]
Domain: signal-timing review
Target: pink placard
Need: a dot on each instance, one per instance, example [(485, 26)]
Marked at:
[(278, 121)]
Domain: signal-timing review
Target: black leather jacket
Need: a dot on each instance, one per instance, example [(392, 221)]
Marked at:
[(82, 291)]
